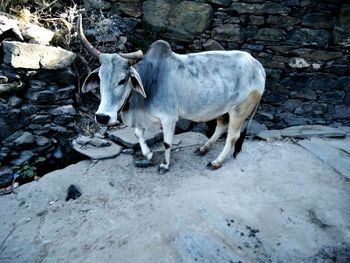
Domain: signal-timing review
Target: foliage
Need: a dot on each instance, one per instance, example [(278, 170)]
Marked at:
[(29, 169)]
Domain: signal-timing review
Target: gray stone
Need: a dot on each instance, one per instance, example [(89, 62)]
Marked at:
[(311, 108), (256, 20), (183, 124), (309, 37), (181, 19), (36, 34), (333, 156), (5, 177), (25, 139), (23, 158), (318, 20), (126, 136), (63, 110), (97, 4), (229, 33), (260, 9), (31, 56), (307, 131), (270, 34), (41, 119), (270, 135), (101, 151), (60, 76), (255, 127), (185, 140), (285, 21), (341, 31), (224, 3), (41, 140), (211, 44), (342, 112)]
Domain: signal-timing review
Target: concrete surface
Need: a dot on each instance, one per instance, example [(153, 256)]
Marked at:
[(276, 202)]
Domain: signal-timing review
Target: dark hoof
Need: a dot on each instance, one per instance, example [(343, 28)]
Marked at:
[(142, 163), (199, 152), (162, 170), (210, 166)]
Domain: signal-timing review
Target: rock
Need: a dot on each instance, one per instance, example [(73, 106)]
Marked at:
[(41, 140), (31, 56), (229, 33), (224, 3), (342, 112), (184, 140), (104, 149), (73, 192), (286, 21), (7, 24), (341, 32), (181, 20), (63, 110), (24, 157), (130, 9), (41, 119), (126, 136), (333, 156), (211, 44), (307, 131), (298, 63), (260, 9), (270, 135), (184, 125), (25, 139), (6, 177), (256, 20), (37, 35), (311, 108), (309, 37), (318, 21), (59, 76), (255, 127), (97, 4), (270, 34)]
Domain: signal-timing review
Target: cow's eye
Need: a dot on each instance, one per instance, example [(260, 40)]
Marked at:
[(122, 82)]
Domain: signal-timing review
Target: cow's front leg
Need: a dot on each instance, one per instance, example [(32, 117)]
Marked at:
[(168, 132), (144, 148)]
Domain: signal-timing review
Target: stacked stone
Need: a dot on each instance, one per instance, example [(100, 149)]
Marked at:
[(303, 44), (37, 117)]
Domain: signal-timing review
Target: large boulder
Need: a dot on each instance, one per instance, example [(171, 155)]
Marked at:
[(180, 20), (32, 56)]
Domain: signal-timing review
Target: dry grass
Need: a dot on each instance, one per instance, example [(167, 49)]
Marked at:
[(50, 14)]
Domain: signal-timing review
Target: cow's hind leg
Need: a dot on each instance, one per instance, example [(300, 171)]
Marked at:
[(221, 127), (168, 132), (237, 116)]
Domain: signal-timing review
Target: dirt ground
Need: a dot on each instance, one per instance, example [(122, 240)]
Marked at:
[(275, 203)]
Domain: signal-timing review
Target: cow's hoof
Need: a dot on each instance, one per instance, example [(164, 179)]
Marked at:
[(199, 152), (142, 163), (212, 166), (162, 170)]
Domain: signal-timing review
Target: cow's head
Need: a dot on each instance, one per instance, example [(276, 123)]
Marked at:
[(116, 78)]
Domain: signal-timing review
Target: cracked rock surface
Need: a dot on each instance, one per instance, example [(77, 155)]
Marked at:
[(276, 202)]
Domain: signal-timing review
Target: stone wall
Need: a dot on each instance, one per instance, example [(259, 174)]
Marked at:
[(303, 44), (37, 93)]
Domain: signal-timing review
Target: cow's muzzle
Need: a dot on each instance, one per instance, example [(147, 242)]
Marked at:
[(102, 119)]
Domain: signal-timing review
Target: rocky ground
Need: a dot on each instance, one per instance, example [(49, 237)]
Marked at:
[(277, 202)]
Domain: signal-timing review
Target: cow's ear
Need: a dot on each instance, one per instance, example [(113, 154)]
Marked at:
[(91, 82), (136, 82)]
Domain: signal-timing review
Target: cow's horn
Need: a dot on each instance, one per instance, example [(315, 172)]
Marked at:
[(133, 55), (83, 39)]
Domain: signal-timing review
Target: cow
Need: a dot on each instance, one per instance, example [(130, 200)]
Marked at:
[(163, 87)]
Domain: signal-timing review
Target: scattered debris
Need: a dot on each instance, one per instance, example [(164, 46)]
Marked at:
[(73, 192)]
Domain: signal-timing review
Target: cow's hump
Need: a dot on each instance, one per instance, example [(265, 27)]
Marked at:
[(159, 49)]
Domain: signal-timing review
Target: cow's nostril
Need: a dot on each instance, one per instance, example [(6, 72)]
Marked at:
[(101, 118)]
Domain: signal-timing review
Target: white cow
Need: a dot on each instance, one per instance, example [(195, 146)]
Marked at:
[(165, 86)]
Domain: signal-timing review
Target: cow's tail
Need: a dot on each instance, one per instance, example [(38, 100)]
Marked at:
[(239, 142)]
